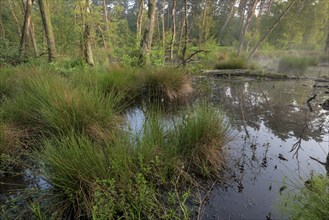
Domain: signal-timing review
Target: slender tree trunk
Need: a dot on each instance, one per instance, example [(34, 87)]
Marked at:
[(2, 29), (103, 36), (230, 15), (140, 20), (253, 52), (163, 25), (106, 16), (173, 30), (87, 36), (203, 25), (251, 13), (144, 58), (326, 48), (15, 18), (186, 34), (25, 29), (33, 39), (44, 10), (181, 33)]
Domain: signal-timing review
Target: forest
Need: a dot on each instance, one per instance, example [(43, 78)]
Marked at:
[(164, 109)]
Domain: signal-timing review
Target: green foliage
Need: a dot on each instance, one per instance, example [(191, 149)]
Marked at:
[(311, 202)]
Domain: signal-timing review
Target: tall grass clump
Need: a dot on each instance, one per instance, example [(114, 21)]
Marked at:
[(6, 83), (231, 62), (165, 84), (48, 104), (118, 82), (71, 165), (200, 137), (296, 64), (311, 202)]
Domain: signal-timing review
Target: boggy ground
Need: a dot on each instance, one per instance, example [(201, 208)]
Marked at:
[(66, 127)]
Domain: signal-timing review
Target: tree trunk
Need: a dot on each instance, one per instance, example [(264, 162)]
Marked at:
[(106, 16), (44, 10), (140, 20), (103, 36), (326, 48), (163, 25), (144, 57), (251, 13), (230, 15), (181, 33), (34, 40), (173, 30), (186, 34), (203, 25), (2, 29), (25, 29), (270, 30), (15, 18), (88, 53)]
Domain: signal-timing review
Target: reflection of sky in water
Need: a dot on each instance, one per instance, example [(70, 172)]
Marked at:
[(272, 119)]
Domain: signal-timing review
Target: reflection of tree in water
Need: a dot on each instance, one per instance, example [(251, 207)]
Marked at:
[(281, 106)]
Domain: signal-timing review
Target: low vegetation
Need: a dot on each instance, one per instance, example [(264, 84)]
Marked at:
[(310, 202), (73, 125), (296, 64)]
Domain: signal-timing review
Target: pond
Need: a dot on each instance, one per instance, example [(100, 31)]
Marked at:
[(277, 139)]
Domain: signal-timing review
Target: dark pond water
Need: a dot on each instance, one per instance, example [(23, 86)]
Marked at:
[(276, 136)]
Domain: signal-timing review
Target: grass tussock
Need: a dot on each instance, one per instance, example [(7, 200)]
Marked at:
[(311, 202), (299, 64), (200, 138), (226, 61), (144, 175), (48, 104), (166, 84), (72, 165)]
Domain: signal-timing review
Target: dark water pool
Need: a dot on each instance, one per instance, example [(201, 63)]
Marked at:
[(278, 138)]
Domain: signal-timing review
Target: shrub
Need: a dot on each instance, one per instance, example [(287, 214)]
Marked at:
[(311, 202)]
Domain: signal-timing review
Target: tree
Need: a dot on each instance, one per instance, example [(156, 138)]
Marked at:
[(88, 53), (144, 57), (44, 10), (139, 20), (173, 30), (25, 29)]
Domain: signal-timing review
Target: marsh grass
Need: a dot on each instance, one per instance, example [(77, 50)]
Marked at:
[(71, 165), (51, 105), (296, 64), (311, 202), (142, 175), (231, 62), (166, 84), (200, 138)]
